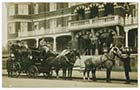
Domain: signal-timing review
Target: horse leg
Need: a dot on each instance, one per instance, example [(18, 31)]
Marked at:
[(88, 74), (70, 73), (84, 73), (48, 73), (57, 71), (94, 74), (108, 72), (64, 73), (11, 73)]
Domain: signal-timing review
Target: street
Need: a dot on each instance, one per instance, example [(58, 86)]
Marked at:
[(40, 82), (44, 83)]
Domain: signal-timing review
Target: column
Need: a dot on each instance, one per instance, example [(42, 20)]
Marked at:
[(37, 42), (54, 43), (118, 30), (126, 19), (126, 38)]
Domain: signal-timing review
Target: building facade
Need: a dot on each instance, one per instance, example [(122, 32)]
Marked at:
[(88, 27)]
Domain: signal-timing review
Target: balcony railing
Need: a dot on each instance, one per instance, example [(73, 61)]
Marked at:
[(129, 20), (96, 22), (43, 32), (61, 29)]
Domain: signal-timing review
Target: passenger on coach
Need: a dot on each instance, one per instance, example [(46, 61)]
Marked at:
[(42, 42)]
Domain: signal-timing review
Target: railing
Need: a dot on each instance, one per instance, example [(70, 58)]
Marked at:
[(61, 29), (81, 22), (34, 33), (43, 31), (96, 22)]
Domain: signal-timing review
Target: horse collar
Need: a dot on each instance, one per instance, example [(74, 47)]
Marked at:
[(109, 58)]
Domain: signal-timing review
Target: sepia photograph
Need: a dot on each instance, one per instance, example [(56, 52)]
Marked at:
[(69, 44)]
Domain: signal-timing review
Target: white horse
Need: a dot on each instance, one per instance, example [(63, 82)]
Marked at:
[(105, 61)]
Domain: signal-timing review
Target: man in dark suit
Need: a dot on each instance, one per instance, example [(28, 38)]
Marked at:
[(126, 62)]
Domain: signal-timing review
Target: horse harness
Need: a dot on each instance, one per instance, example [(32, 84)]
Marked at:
[(67, 60), (108, 58)]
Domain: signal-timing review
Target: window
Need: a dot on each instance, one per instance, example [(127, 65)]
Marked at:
[(47, 24), (11, 9), (94, 11), (109, 9), (23, 9), (81, 14), (53, 23), (29, 26), (17, 26), (35, 8), (11, 28), (36, 26), (62, 5), (30, 10), (42, 25), (52, 6), (42, 7), (63, 21), (47, 7), (23, 26), (59, 22)]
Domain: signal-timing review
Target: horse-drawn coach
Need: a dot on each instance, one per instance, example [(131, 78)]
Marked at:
[(34, 61)]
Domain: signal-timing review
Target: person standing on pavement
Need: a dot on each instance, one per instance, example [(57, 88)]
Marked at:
[(126, 63)]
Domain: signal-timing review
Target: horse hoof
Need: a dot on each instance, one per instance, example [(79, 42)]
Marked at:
[(108, 81), (127, 82), (94, 80), (88, 79), (70, 78), (84, 78)]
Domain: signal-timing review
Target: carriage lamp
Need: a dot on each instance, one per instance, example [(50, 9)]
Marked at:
[(30, 57), (12, 55), (41, 59)]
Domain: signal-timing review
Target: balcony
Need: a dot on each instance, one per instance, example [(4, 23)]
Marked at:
[(43, 32), (96, 23)]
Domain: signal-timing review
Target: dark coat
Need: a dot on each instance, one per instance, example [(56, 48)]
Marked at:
[(126, 63)]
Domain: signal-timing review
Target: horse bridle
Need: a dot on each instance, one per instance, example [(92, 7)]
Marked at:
[(108, 58)]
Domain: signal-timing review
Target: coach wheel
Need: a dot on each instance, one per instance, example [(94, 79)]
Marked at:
[(32, 71)]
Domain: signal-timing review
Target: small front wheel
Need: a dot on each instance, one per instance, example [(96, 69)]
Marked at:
[(33, 71)]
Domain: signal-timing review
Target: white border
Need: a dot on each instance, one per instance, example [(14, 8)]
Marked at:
[(66, 1)]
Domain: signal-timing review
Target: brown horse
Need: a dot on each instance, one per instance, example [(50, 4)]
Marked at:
[(106, 60), (64, 62)]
